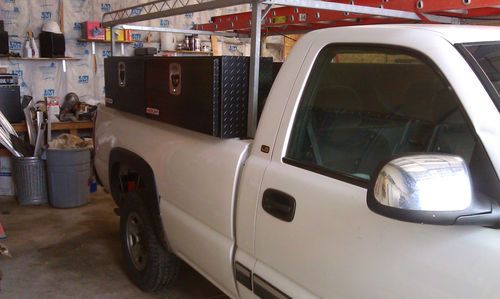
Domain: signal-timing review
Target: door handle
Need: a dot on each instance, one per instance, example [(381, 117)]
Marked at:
[(122, 79), (279, 204)]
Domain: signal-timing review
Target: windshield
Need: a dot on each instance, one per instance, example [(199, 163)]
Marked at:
[(487, 60)]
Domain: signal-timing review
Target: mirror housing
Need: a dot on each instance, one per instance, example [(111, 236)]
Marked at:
[(429, 189)]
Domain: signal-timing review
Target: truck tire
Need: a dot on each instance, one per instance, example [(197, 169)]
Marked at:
[(148, 263)]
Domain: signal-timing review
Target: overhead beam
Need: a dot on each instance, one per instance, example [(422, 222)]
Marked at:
[(294, 29), (351, 8), (175, 30), (162, 9)]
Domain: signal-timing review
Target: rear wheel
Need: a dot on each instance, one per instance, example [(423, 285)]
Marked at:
[(148, 263)]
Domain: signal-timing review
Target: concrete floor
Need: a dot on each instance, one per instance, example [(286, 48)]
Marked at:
[(75, 253)]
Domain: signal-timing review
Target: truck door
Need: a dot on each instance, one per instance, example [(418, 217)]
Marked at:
[(315, 236)]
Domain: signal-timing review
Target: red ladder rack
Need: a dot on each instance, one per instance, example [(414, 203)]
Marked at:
[(288, 19)]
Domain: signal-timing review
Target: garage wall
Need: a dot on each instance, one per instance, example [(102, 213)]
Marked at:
[(85, 76)]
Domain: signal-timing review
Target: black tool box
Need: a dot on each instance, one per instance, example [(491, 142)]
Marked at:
[(10, 98), (124, 84), (204, 94)]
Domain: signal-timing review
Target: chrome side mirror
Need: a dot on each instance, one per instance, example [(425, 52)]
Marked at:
[(428, 188)]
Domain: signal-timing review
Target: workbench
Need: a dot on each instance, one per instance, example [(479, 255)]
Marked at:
[(73, 127)]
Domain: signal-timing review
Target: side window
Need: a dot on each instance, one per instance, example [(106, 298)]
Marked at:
[(362, 105)]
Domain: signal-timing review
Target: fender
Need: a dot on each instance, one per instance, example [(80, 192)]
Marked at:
[(120, 157)]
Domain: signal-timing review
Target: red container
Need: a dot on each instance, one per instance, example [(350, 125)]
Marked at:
[(93, 30), (2, 232)]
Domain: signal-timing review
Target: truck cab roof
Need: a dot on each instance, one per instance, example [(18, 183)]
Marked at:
[(452, 33)]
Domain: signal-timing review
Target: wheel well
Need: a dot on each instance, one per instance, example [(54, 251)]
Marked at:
[(130, 172)]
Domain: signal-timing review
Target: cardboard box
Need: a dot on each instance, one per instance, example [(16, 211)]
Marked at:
[(92, 30), (6, 180)]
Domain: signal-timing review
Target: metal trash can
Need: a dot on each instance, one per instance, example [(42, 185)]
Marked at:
[(68, 173), (30, 180)]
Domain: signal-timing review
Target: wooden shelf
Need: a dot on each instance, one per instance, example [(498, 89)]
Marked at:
[(187, 51), (101, 41), (39, 58), (72, 127), (184, 53)]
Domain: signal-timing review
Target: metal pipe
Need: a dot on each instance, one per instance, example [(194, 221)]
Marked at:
[(267, 9), (253, 92), (29, 125), (40, 140), (49, 129), (7, 143), (443, 19), (113, 41), (39, 118), (6, 125), (183, 31)]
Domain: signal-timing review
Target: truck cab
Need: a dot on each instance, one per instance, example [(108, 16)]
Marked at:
[(360, 97)]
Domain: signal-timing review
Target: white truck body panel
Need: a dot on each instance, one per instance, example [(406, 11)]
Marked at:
[(336, 247), (258, 160), (452, 33), (201, 229)]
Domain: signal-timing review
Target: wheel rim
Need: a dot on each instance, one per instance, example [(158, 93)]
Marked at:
[(135, 241)]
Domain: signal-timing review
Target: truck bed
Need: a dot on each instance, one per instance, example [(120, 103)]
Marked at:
[(199, 175)]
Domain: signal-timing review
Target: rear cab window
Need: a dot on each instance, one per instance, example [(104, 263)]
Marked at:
[(484, 58), (365, 104)]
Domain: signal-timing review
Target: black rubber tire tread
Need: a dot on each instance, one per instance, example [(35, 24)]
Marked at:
[(162, 266)]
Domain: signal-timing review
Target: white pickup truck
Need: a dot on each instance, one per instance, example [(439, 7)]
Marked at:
[(374, 173)]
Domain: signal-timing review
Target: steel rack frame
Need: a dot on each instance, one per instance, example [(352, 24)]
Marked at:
[(270, 17)]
